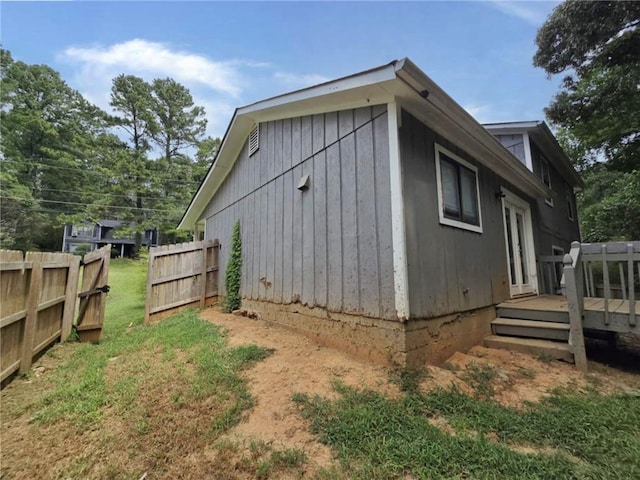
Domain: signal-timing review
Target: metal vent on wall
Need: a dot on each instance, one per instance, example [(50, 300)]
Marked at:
[(254, 140)]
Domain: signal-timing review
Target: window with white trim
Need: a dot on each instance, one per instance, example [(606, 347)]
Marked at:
[(254, 140), (458, 192), (545, 175)]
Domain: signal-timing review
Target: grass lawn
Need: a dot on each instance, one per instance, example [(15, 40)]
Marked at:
[(153, 399), (447, 434)]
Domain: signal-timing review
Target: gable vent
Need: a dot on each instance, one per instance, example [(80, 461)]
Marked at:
[(254, 140)]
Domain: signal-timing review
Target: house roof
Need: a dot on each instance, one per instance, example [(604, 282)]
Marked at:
[(399, 81), (539, 132), (109, 223)]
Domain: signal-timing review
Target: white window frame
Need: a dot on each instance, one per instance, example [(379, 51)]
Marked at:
[(449, 221)]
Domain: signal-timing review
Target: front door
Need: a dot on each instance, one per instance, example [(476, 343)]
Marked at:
[(519, 240)]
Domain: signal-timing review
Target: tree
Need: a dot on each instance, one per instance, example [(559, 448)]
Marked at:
[(180, 124), (598, 45), (597, 111), (132, 100), (152, 177), (47, 132)]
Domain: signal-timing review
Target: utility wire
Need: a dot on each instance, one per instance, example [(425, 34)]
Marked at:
[(92, 205)]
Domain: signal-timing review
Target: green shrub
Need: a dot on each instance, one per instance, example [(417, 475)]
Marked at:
[(82, 249), (234, 271)]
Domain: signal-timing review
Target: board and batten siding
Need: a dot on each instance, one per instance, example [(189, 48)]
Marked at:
[(450, 269), (329, 246), (515, 144), (552, 224)]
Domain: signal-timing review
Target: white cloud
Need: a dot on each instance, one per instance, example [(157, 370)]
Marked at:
[(532, 13), (295, 80), (215, 85), (219, 86), (482, 113), (142, 56)]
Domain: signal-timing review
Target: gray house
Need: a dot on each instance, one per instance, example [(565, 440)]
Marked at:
[(377, 216), (103, 232)]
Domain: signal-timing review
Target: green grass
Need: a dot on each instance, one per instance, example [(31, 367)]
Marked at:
[(578, 436), (81, 393), (175, 385)]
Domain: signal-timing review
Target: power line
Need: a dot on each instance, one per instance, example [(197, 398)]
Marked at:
[(92, 205), (92, 172)]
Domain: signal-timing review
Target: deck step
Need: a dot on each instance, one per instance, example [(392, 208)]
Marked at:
[(512, 311), (517, 327), (531, 346)]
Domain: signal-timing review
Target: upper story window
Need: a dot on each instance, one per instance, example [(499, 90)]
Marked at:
[(571, 208), (82, 230), (254, 140), (545, 175), (458, 192)]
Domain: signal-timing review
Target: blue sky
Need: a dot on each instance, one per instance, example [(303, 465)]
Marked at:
[(232, 54)]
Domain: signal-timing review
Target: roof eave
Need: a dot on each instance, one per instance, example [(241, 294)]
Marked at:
[(496, 156)]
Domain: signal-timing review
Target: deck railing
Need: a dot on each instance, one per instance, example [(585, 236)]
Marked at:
[(550, 273), (589, 261)]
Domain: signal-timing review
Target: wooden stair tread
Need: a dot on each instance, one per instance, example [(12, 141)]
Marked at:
[(517, 322), (531, 346)]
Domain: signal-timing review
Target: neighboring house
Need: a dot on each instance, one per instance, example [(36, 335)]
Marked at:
[(379, 217), (101, 233)]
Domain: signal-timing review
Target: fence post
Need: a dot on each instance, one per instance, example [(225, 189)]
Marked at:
[(32, 311), (147, 303), (71, 295), (203, 285), (573, 277)]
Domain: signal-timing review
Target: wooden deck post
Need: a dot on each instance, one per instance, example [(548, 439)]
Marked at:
[(573, 278)]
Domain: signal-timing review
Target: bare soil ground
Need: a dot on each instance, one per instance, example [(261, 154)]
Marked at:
[(300, 365), (177, 447)]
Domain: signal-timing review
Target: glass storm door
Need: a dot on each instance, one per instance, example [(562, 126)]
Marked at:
[(517, 236)]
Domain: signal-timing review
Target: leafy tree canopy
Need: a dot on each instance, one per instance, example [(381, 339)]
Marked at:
[(597, 44)]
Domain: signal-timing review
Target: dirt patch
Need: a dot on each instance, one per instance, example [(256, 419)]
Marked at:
[(298, 365), (517, 378)]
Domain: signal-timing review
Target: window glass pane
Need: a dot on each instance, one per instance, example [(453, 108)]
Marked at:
[(546, 176), (512, 262), (451, 197), (469, 196), (523, 249)]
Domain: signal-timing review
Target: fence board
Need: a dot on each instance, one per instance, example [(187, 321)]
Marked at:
[(37, 293), (180, 276)]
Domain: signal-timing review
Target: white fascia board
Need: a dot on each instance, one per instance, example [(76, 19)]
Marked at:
[(398, 230), (230, 148), (515, 126), (371, 77)]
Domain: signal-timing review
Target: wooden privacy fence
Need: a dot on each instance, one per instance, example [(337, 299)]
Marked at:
[(181, 275), (38, 293)]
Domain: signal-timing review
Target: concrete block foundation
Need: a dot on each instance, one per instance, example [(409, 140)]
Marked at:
[(414, 343)]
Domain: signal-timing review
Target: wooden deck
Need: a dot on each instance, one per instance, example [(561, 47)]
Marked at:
[(555, 308)]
